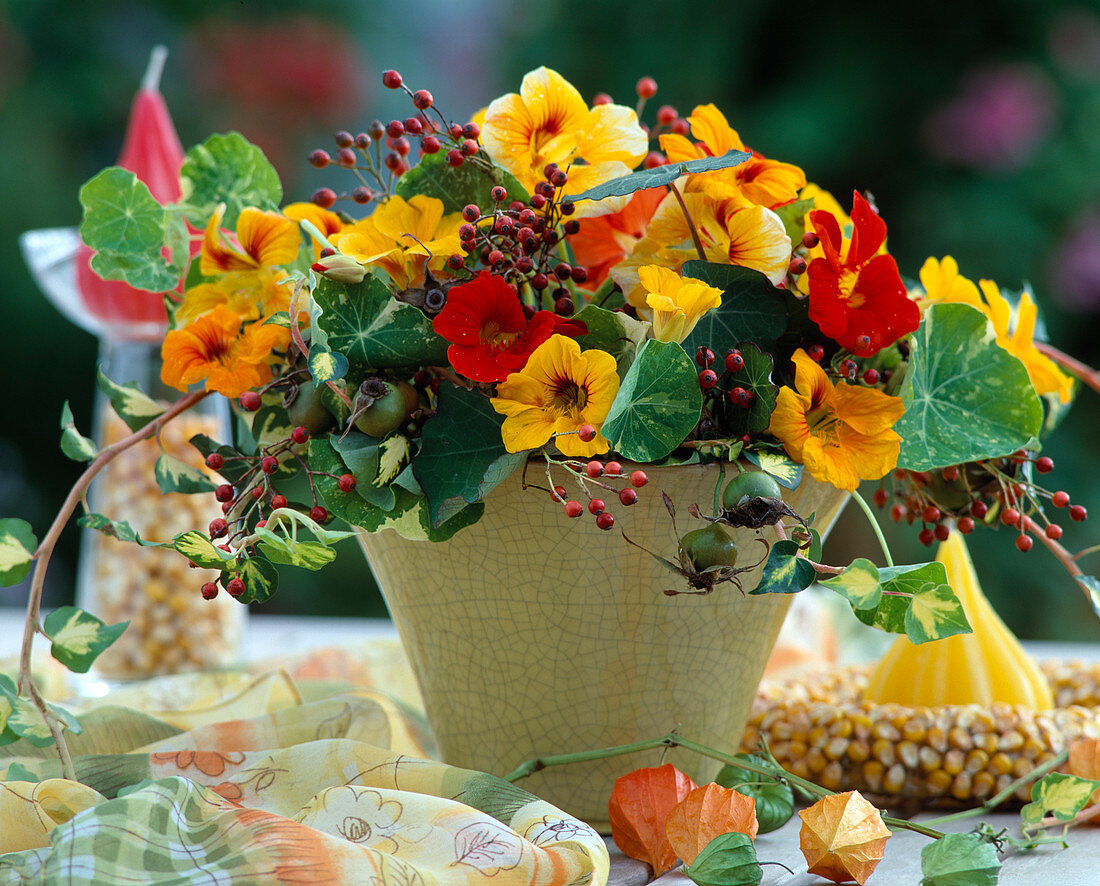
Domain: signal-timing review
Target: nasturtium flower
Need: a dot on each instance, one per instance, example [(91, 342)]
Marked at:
[(266, 239), (215, 349), (677, 302), (560, 389), (857, 297), (942, 282), (489, 333), (757, 180), (842, 433), (604, 241), (324, 220), (251, 294), (403, 238), (549, 122)]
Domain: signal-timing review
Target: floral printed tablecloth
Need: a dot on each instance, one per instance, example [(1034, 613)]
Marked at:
[(295, 774)]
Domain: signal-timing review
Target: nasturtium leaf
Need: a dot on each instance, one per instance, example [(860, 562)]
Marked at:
[(709, 811), (260, 578), (200, 550), (121, 216), (231, 170), (457, 186), (130, 403), (727, 860), (326, 366), (617, 333), (843, 837), (657, 405), (1057, 795), (17, 546), (373, 330), (785, 573), (752, 308), (774, 799), (79, 637), (74, 444), (462, 456), (146, 271), (786, 471), (657, 177), (754, 376), (639, 807), (291, 552), (119, 529), (858, 584), (938, 614), (934, 613), (959, 860), (174, 475), (965, 397)]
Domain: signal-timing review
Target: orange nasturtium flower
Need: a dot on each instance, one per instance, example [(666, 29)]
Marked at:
[(843, 433), (677, 302), (604, 241), (549, 122), (403, 238), (757, 180), (266, 239), (214, 349), (324, 220), (558, 390), (943, 283)]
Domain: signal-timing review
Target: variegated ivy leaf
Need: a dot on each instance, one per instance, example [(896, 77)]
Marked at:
[(79, 637), (858, 584), (25, 720), (74, 444), (129, 402), (1057, 795), (17, 545), (290, 552), (200, 550), (934, 613), (119, 529), (260, 578), (785, 572), (394, 455), (787, 473), (326, 366), (174, 475), (916, 601)]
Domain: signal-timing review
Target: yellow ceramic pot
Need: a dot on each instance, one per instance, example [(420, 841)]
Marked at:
[(533, 634)]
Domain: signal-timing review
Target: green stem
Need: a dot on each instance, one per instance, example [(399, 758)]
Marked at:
[(718, 488), (874, 525)]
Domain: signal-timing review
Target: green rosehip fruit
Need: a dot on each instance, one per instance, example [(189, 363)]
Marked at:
[(309, 412), (707, 547), (754, 484), (385, 414)]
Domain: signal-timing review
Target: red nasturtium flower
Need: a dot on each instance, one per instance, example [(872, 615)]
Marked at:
[(856, 293), (490, 335)]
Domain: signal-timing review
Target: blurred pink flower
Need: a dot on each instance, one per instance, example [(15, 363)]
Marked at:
[(1075, 265)]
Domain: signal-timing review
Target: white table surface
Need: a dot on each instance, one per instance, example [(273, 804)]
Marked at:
[(1079, 865)]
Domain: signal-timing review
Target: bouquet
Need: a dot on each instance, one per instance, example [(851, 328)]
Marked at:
[(557, 288)]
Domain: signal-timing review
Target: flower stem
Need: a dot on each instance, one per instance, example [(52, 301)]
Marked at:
[(874, 525), (42, 555), (690, 222)]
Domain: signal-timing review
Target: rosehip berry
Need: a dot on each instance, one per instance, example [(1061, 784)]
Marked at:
[(318, 514), (422, 99), (224, 492), (628, 496), (941, 532), (257, 492), (1060, 499), (218, 527), (646, 87), (734, 361), (931, 514), (573, 508), (250, 401), (1078, 514), (579, 275), (897, 513), (455, 158), (605, 521), (347, 482), (456, 262), (429, 144), (1053, 531), (558, 493), (951, 473), (638, 479), (215, 461), (797, 267), (596, 506), (346, 157), (666, 114), (870, 377), (537, 201), (587, 433), (361, 194), (376, 129), (704, 357), (498, 194), (863, 342), (413, 126), (471, 130), (654, 159), (707, 379), (320, 159), (278, 501), (227, 506), (209, 590), (235, 587), (261, 523), (815, 353), (559, 179), (594, 469), (926, 537), (1010, 517), (299, 435), (810, 239), (468, 147), (880, 497), (402, 146), (1044, 465), (1024, 543), (391, 79), (979, 509), (269, 464), (602, 98), (613, 469), (965, 525)]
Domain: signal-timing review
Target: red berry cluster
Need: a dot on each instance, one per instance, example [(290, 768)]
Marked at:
[(998, 489), (597, 473)]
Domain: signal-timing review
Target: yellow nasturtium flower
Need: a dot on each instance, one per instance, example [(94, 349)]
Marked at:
[(842, 433), (266, 239), (549, 122), (560, 389), (677, 302), (943, 283)]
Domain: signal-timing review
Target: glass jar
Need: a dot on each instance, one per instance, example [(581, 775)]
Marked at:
[(172, 628)]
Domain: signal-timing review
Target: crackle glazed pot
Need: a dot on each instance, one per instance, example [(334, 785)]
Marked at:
[(533, 634)]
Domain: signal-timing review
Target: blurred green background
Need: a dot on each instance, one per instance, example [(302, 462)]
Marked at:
[(976, 127)]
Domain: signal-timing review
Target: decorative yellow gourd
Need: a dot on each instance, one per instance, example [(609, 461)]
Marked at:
[(980, 668)]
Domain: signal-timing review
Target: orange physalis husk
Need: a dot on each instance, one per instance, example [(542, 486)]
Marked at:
[(639, 808), (1084, 762), (843, 837), (708, 812)]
